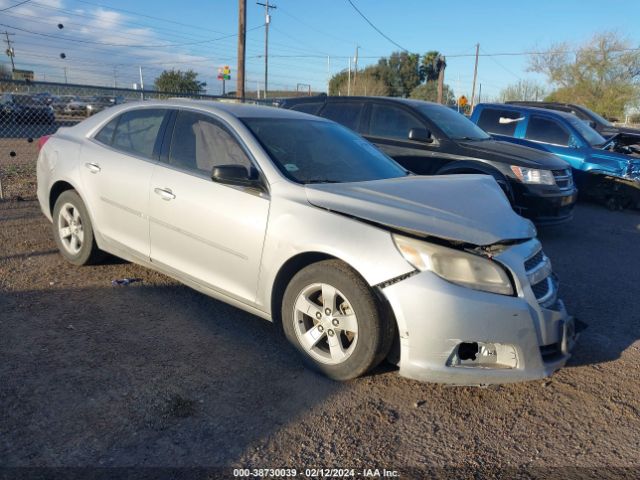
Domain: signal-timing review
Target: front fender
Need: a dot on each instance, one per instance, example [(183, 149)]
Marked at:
[(295, 227)]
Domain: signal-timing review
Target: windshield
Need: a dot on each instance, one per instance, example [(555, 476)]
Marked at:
[(601, 119), (454, 125), (588, 133), (314, 151)]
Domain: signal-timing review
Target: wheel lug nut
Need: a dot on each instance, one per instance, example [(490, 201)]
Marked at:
[(327, 311), (335, 322), (318, 315), (330, 333), (320, 328)]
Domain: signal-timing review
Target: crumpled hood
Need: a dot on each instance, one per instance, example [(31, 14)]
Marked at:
[(466, 208)]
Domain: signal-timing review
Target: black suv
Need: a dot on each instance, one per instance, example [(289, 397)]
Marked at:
[(431, 139), (595, 121)]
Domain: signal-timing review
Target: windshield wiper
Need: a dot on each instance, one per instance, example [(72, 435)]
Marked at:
[(321, 180), (473, 139)]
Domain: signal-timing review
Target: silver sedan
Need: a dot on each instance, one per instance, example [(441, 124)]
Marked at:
[(302, 222)]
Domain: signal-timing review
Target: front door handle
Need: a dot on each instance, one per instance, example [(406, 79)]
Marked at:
[(165, 193), (93, 167)]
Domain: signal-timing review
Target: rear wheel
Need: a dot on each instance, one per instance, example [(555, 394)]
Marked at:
[(73, 232), (333, 319)]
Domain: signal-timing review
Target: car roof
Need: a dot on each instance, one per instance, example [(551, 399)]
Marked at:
[(239, 110), (575, 106), (411, 102), (526, 108)]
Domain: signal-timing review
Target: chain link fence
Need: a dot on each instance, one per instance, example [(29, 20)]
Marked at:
[(30, 110)]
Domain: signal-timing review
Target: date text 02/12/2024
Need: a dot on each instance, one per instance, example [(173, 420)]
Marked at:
[(315, 473)]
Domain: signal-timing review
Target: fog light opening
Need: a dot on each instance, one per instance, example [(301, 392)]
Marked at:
[(484, 355), (468, 351)]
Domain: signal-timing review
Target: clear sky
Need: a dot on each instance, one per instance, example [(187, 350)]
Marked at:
[(105, 41)]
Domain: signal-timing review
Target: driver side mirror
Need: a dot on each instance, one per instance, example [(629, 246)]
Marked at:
[(420, 135), (236, 175)]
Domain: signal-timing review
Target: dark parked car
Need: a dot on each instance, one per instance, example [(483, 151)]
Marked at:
[(595, 121), (17, 108), (432, 139)]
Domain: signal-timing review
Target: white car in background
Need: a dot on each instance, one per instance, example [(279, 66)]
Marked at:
[(300, 221)]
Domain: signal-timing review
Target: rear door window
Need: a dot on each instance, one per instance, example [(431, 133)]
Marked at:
[(546, 130), (499, 122), (348, 114), (389, 121), (137, 131), (105, 135)]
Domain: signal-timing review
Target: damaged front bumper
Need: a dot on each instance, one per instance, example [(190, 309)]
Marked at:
[(452, 334)]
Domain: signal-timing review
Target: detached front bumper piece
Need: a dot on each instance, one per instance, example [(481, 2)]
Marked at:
[(452, 334)]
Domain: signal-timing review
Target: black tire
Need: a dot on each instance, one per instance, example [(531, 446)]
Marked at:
[(88, 252), (375, 330)]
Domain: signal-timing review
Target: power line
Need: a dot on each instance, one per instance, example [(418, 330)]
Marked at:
[(376, 28), (14, 6), (493, 59), (91, 42), (543, 52)]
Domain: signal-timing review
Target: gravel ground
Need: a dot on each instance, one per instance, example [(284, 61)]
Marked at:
[(158, 375)]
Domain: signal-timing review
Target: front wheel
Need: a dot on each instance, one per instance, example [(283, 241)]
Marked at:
[(332, 318), (73, 232)]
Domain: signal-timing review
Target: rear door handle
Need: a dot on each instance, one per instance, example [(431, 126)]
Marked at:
[(165, 193), (93, 167)]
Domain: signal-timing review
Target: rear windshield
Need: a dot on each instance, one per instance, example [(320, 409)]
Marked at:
[(310, 151), (454, 125)]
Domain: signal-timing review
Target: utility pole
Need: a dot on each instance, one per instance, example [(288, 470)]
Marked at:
[(355, 71), (267, 21), (10, 51), (349, 79), (475, 75), (442, 64), (141, 83), (328, 73), (242, 40), (458, 94), (65, 74)]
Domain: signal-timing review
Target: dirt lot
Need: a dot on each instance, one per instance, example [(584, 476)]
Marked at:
[(157, 375)]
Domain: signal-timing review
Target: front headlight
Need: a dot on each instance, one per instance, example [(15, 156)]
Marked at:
[(533, 175), (455, 266), (633, 171)]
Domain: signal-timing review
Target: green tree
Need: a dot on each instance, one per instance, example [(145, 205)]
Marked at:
[(177, 81), (429, 91), (603, 74), (432, 63), (366, 82), (400, 72), (524, 90)]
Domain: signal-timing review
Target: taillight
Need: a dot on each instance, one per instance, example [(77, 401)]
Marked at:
[(42, 141)]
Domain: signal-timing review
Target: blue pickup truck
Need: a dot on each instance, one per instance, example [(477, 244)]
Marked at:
[(607, 169)]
